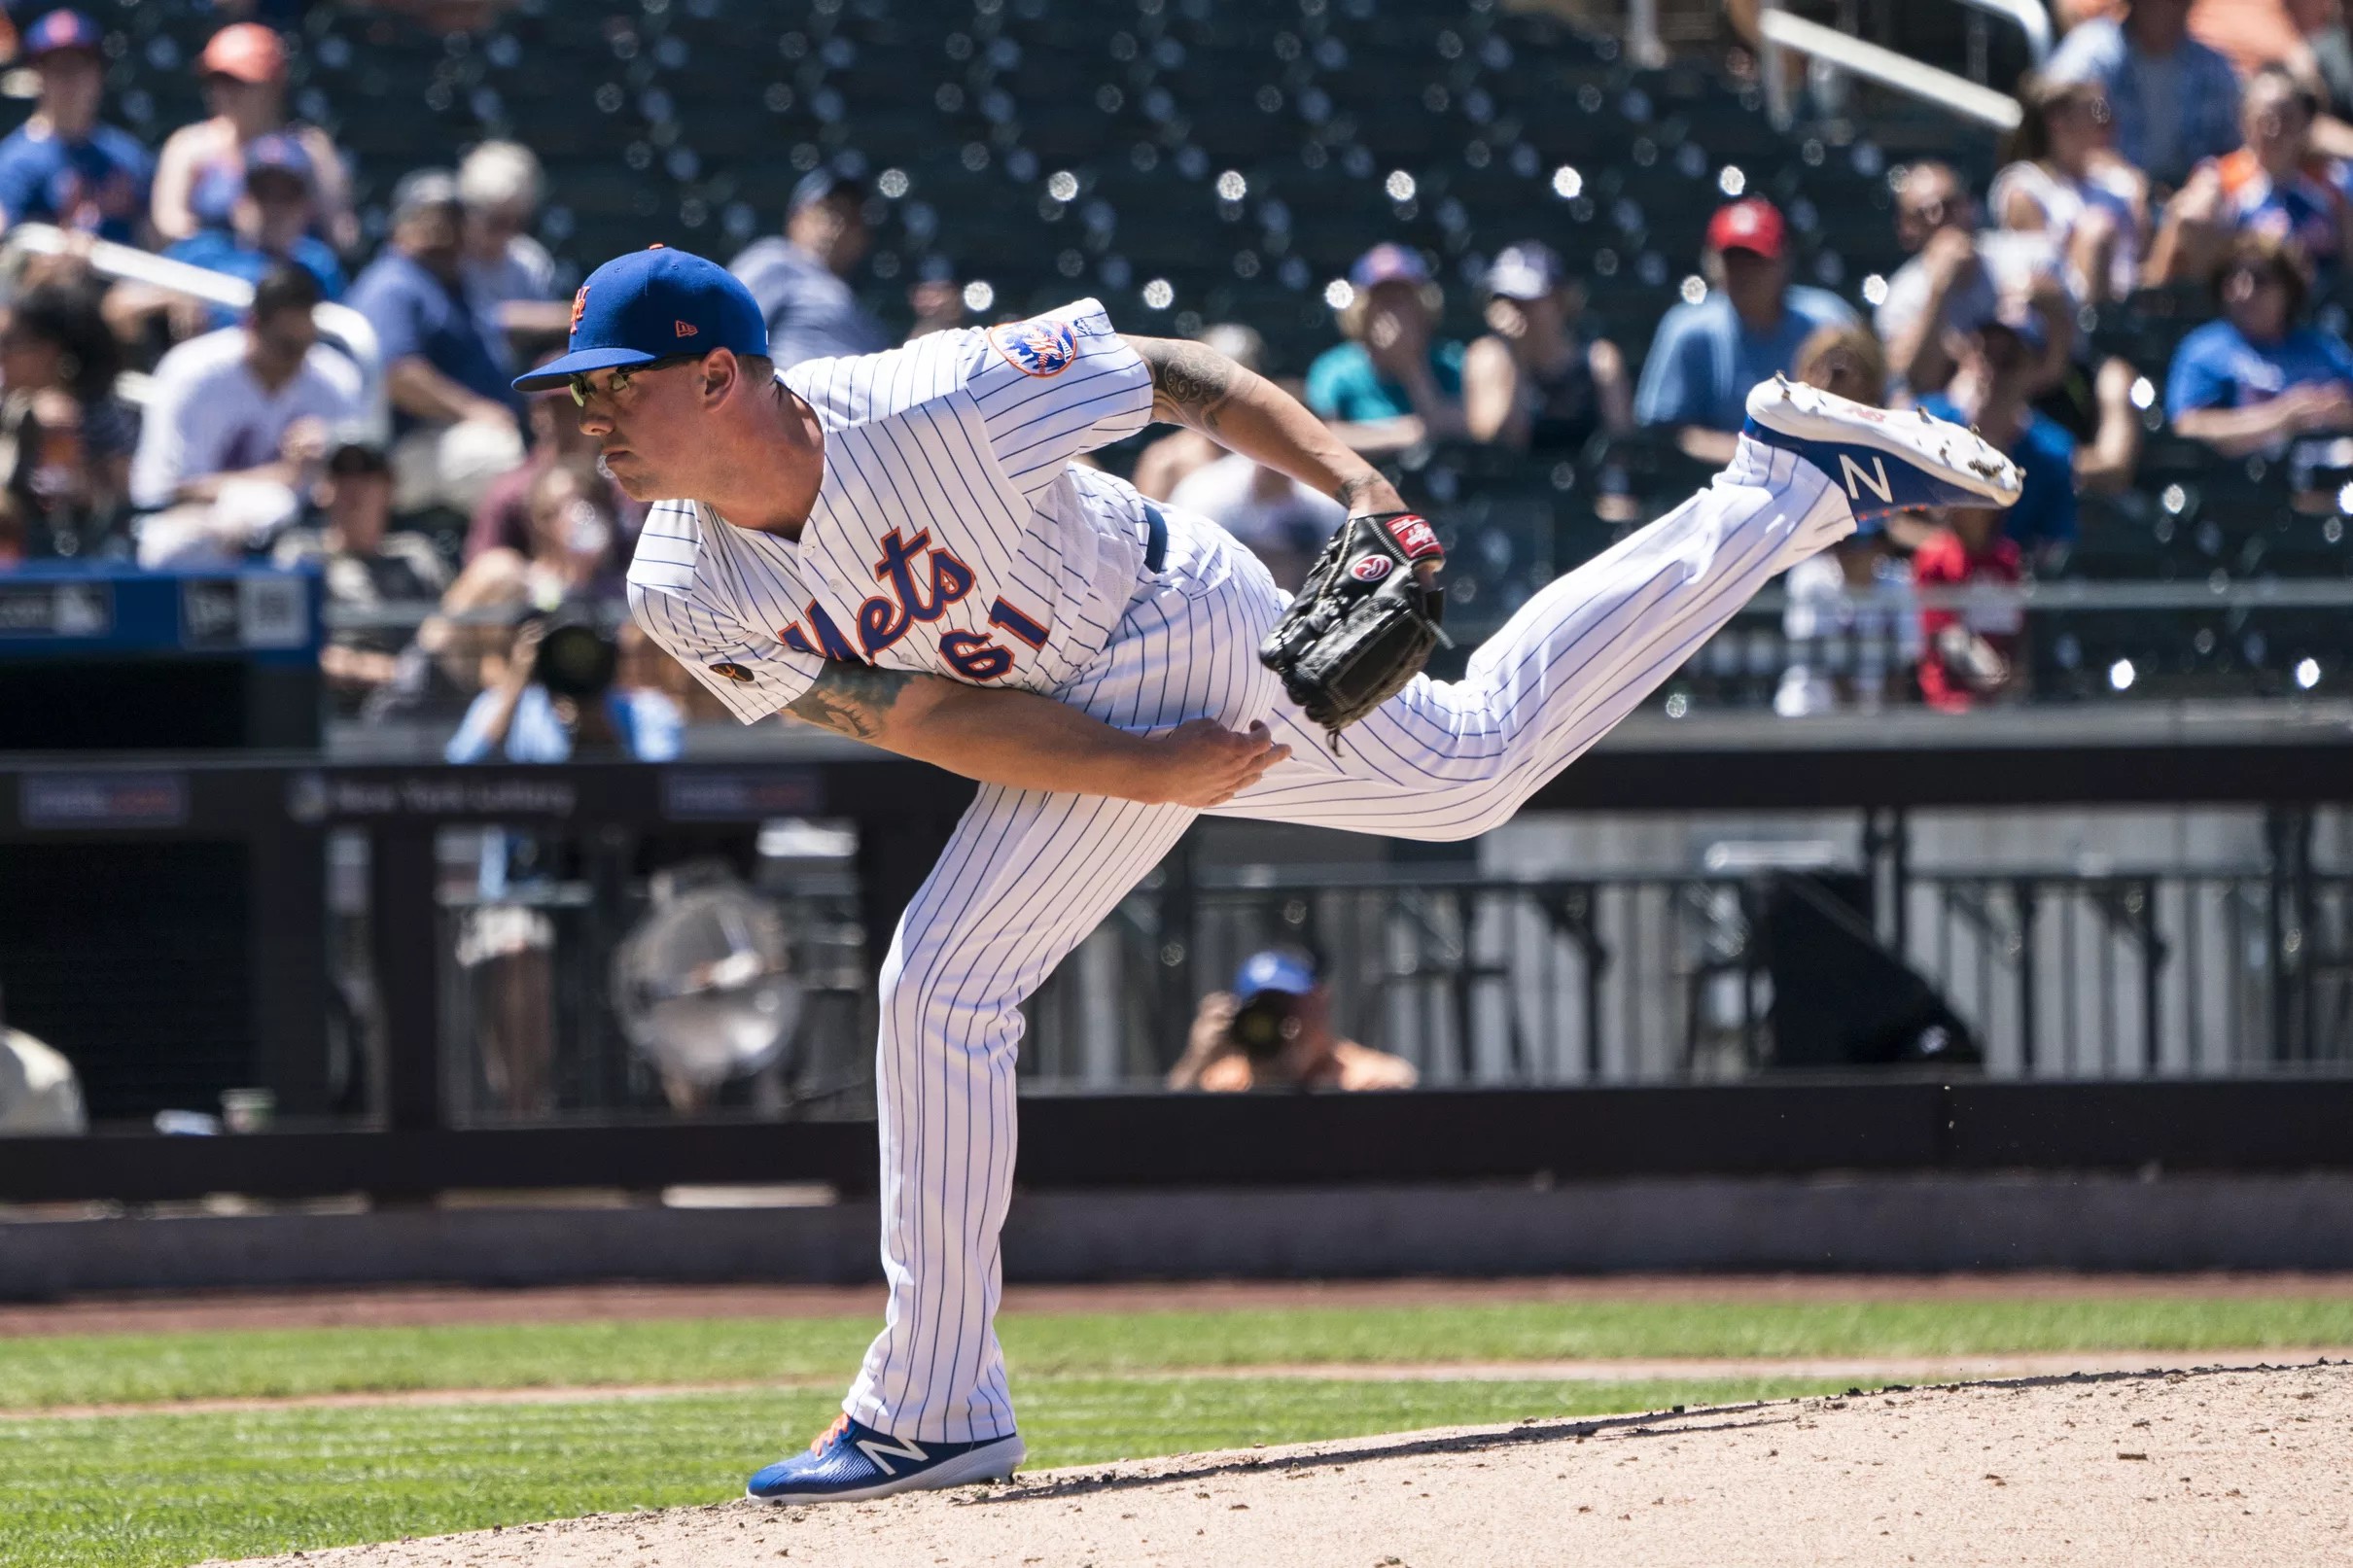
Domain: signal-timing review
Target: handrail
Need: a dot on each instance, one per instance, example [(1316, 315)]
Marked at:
[(1884, 66), (128, 264)]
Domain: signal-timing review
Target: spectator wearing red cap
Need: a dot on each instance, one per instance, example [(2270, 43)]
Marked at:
[(201, 171), (1747, 329), (1394, 383), (61, 167)]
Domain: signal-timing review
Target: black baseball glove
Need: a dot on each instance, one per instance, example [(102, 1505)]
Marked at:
[(1363, 624)]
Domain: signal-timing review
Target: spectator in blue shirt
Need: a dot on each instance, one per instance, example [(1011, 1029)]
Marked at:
[(1992, 389), (61, 167), (2255, 380), (1707, 356), (525, 714), (2175, 101), (270, 224), (1394, 383), (455, 425), (799, 277)]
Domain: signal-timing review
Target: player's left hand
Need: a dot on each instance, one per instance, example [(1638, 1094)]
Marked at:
[(1203, 763)]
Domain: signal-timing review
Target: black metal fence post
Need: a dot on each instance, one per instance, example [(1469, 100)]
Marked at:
[(405, 933)]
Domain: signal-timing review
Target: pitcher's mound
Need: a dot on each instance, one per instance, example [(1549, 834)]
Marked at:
[(2209, 1466)]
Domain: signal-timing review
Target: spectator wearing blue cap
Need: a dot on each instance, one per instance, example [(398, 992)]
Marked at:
[(455, 427), (801, 278), (1273, 1031), (269, 225), (1538, 379), (61, 167), (1394, 383)]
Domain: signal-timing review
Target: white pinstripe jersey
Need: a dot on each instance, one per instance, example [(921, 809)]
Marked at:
[(951, 532)]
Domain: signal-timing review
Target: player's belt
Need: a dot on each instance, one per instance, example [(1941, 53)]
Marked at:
[(1155, 539)]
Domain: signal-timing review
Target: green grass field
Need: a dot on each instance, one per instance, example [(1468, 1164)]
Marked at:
[(149, 1490), (160, 1488), (118, 1368)]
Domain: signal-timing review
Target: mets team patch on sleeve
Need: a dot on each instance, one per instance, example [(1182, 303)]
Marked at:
[(1038, 347)]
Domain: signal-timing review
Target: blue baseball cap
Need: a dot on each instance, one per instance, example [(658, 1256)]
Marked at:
[(1389, 263), (653, 304), (1283, 969), (62, 29), (276, 152)]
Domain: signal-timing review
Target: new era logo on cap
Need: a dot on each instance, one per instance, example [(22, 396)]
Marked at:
[(642, 307)]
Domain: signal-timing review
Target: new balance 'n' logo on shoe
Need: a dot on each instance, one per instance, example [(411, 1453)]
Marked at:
[(1882, 462), (851, 1460)]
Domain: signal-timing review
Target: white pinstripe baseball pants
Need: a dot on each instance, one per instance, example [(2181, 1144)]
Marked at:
[(1027, 875)]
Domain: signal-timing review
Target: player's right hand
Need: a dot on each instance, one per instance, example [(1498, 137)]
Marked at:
[(1203, 763)]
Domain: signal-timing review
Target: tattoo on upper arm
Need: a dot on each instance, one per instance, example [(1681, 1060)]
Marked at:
[(851, 699), (1190, 381)]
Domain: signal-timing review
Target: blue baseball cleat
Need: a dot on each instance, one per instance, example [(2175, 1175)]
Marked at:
[(851, 1460), (1885, 461)]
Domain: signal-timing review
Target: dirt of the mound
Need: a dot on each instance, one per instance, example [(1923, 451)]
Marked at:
[(410, 1305), (2215, 1468)]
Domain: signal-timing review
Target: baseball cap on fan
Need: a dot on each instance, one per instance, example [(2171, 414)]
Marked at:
[(1528, 271), (653, 304), (1387, 262), (244, 51), (61, 30), (1754, 225), (1283, 969)]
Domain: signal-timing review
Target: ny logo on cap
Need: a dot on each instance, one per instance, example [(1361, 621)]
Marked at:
[(580, 305)]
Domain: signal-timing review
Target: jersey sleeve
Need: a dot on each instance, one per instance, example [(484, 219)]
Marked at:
[(752, 675), (749, 669), (159, 463), (1053, 387)]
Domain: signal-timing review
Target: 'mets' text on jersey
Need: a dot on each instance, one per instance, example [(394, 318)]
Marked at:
[(951, 532)]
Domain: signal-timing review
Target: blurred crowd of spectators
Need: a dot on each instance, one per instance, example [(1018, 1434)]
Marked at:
[(381, 441)]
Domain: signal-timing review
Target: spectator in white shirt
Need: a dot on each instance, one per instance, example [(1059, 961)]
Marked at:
[(1283, 521), (510, 276), (239, 421)]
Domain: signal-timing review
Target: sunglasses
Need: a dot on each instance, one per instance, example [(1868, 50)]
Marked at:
[(583, 389)]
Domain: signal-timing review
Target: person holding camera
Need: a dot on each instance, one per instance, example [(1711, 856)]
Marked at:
[(553, 694), (1273, 1031)]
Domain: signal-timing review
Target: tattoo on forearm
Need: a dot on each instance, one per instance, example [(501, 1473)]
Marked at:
[(1351, 490), (851, 699), (1190, 382)]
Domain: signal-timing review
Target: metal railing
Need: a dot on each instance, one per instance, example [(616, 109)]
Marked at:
[(345, 326), (1490, 980), (1884, 66), (1839, 49)]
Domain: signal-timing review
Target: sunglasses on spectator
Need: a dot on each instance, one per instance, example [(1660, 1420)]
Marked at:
[(583, 389)]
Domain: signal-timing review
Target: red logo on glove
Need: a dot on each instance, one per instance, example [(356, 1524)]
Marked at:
[(1413, 536), (1372, 569)]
